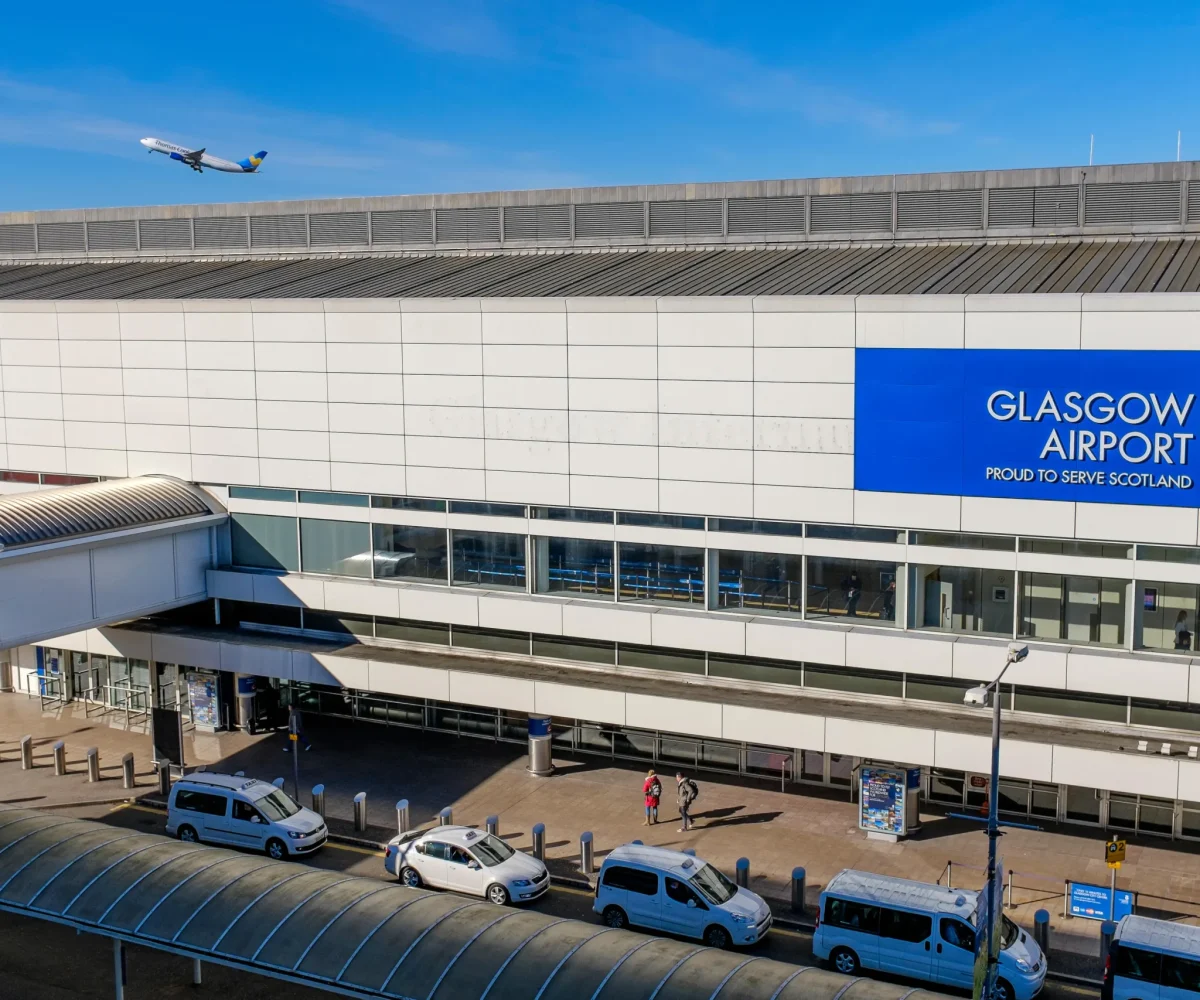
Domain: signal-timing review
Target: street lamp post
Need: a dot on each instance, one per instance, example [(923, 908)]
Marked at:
[(979, 696)]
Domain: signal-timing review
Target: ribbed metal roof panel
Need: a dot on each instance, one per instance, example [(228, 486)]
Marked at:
[(113, 505)]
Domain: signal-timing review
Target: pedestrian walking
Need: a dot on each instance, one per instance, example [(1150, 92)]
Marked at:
[(296, 725), (686, 791), (852, 586), (652, 791)]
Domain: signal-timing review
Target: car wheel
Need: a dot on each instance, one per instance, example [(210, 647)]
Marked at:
[(188, 834), (276, 849), (410, 877), (845, 961), (717, 936), (499, 895), (614, 916), (1004, 990)]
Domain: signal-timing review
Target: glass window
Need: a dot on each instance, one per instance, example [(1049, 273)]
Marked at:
[(1180, 973), (334, 499), (488, 559), (862, 917), (1093, 550), (246, 812), (261, 541), (1133, 963), (645, 520), (1155, 815), (343, 624), (957, 933), (259, 493), (744, 668), (861, 681), (904, 926), (962, 599), (661, 573), (487, 509), (957, 540), (714, 884), (759, 580), (849, 533), (574, 565), (19, 477), (493, 639), (491, 851), (410, 631), (1166, 714), (403, 552), (586, 650), (936, 689), (632, 879), (1169, 553), (1075, 608), (740, 526), (572, 514), (1169, 615), (339, 548), (1083, 804), (1104, 708), (1044, 800), (851, 588), (237, 613), (946, 786), (409, 503), (658, 658), (681, 892), (59, 479)]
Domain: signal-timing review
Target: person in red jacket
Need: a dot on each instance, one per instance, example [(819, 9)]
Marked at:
[(652, 790)]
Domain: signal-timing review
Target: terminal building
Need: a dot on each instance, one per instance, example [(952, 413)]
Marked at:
[(750, 478)]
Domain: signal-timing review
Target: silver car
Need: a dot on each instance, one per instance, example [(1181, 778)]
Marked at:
[(466, 860)]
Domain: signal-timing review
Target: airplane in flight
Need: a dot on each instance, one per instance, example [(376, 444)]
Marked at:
[(198, 159)]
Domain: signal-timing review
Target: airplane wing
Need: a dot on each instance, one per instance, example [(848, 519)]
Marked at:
[(194, 155)]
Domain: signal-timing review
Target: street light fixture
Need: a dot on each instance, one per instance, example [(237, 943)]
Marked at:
[(980, 697)]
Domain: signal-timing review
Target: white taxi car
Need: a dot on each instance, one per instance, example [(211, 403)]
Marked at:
[(466, 860)]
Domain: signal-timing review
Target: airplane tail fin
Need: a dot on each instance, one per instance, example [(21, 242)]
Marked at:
[(251, 163)]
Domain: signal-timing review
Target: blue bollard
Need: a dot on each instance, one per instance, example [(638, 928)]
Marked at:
[(742, 872), (799, 876), (1041, 930)]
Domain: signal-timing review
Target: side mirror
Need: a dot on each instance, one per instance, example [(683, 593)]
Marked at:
[(691, 904), (473, 865)]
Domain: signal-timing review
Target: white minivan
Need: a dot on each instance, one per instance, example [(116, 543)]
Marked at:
[(662, 890), (242, 812), (1152, 960), (920, 931)]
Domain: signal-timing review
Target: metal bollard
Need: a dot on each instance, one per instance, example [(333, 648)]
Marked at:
[(446, 817), (586, 856), (539, 841), (278, 782), (93, 764), (1010, 888), (318, 800), (360, 812), (164, 778), (690, 851), (1041, 930), (26, 753), (742, 872), (1107, 930), (197, 973), (493, 825), (60, 758), (128, 778), (799, 878)]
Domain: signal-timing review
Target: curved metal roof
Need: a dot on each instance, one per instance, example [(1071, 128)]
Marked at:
[(361, 936), (73, 511)]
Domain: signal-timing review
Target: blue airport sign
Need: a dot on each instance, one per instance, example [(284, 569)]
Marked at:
[(1095, 902), (1093, 426)]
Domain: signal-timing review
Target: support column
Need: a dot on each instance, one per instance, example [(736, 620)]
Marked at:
[(119, 969)]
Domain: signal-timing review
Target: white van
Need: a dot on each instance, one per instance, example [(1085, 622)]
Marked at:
[(918, 930), (661, 890), (1152, 960), (242, 812)]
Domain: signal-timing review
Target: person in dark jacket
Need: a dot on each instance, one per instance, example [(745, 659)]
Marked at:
[(686, 792), (852, 585)]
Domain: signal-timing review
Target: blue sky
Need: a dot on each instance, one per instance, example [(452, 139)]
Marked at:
[(356, 97)]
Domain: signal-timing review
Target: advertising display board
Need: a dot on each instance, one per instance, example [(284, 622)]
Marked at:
[(205, 700), (882, 800), (1093, 426)]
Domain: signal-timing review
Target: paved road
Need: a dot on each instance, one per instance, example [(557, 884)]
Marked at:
[(562, 901)]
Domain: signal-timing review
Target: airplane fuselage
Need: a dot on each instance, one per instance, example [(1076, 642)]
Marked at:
[(197, 159)]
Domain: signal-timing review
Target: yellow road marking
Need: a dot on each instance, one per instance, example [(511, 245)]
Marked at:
[(352, 847), (570, 888)]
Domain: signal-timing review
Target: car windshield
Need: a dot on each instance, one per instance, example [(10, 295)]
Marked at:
[(1009, 932), (277, 805), (491, 851), (713, 886)]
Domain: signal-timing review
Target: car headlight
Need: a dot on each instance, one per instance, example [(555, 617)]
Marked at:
[(1023, 965), (739, 918), (296, 834), (522, 881)]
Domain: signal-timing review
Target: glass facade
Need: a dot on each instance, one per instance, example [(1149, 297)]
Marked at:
[(1169, 615), (403, 552), (262, 541), (761, 581), (578, 566), (661, 574), (488, 559), (851, 588), (339, 548), (1073, 608), (962, 599)]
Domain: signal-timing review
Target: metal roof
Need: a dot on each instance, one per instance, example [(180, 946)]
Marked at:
[(113, 505), (1137, 264), (1161, 935), (360, 936), (888, 890)]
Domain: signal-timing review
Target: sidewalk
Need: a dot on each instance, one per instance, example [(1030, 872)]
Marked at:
[(477, 778)]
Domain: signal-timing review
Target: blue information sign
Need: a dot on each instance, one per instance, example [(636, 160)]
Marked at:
[(1095, 902), (1095, 426)]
